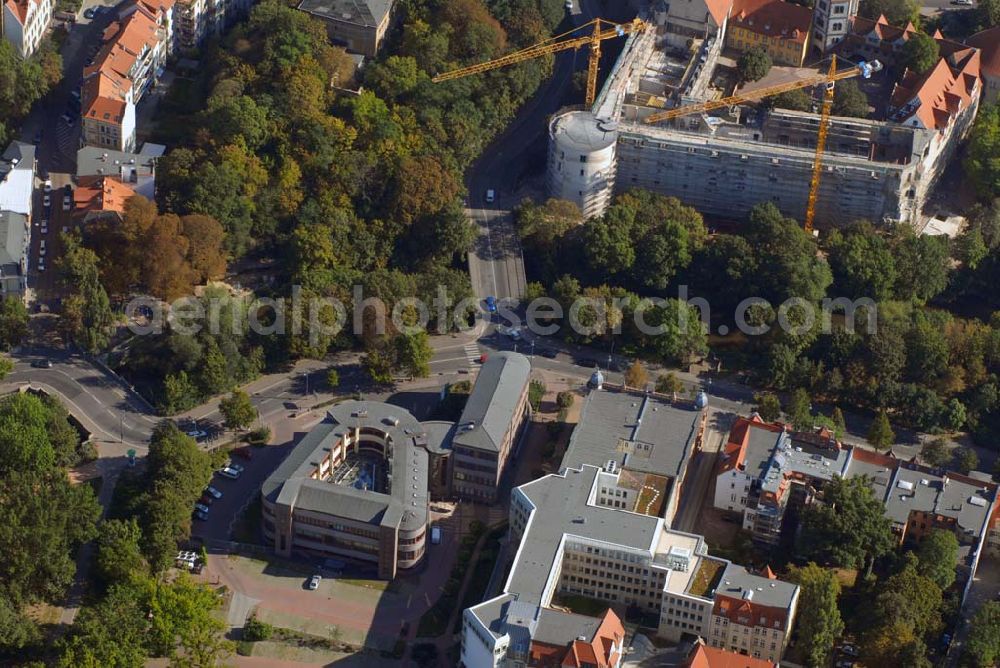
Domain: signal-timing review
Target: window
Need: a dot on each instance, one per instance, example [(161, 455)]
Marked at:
[(839, 9), (583, 158)]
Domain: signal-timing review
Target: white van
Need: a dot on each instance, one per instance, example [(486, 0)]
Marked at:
[(435, 535), (491, 196)]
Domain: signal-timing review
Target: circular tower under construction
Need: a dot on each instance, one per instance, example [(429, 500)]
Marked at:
[(581, 163)]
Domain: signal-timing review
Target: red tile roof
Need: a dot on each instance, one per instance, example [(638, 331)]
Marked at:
[(719, 9), (713, 657), (988, 43), (735, 449), (774, 18), (940, 93), (19, 9), (103, 195), (747, 613)]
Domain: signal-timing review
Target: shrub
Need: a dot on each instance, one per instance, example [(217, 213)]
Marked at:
[(564, 399), (254, 629)]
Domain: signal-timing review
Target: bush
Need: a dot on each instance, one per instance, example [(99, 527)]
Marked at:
[(254, 629), (564, 399), (754, 64), (333, 379), (536, 390), (259, 436)]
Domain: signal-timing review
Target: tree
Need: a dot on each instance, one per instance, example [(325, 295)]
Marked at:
[(753, 64), (935, 452), (542, 225), (938, 554), (839, 424), (862, 264), (848, 528), (880, 434), (796, 100), (767, 406), (536, 390), (636, 376), (119, 552), (6, 366), (238, 410), (183, 627), (849, 100), (668, 383), (87, 310), (983, 644), (333, 378), (818, 630), (799, 411), (965, 459), (414, 353), (13, 322), (897, 12), (983, 147), (920, 53)]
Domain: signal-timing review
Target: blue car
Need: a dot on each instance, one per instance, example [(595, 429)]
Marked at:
[(491, 304)]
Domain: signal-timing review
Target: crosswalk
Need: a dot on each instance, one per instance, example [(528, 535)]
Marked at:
[(472, 352)]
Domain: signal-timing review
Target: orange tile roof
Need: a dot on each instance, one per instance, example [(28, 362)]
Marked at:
[(19, 9), (774, 18), (937, 95), (747, 613), (713, 657), (105, 194), (719, 9), (988, 43)]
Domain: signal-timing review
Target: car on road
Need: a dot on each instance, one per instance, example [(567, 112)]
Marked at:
[(211, 491), (42, 364), (314, 581), (197, 434), (41, 248), (89, 13), (45, 227), (963, 3), (67, 118), (47, 186), (201, 506), (491, 196), (568, 5), (491, 304), (483, 358), (201, 516), (849, 650), (41, 264), (46, 200), (548, 353), (435, 535), (229, 472)]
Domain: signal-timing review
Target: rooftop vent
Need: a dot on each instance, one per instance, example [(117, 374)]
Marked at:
[(905, 484), (748, 595), (977, 501)]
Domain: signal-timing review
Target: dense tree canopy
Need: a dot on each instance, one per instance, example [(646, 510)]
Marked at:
[(920, 53), (753, 64), (849, 100), (13, 322), (981, 163), (819, 629)]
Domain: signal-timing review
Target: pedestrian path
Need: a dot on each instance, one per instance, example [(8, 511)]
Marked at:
[(472, 353)]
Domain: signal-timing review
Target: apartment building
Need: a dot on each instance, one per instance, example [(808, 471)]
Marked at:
[(24, 24), (101, 197), (491, 426), (704, 656), (572, 543), (359, 26), (752, 614), (136, 170), (767, 474), (17, 176), (779, 28), (134, 53), (198, 20)]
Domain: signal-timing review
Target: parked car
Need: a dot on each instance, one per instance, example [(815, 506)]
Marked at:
[(45, 227), (236, 467), (89, 13), (46, 200), (201, 516), (849, 650), (491, 196), (41, 265), (41, 248), (201, 506), (229, 473), (42, 364), (206, 500), (67, 202), (435, 535), (314, 582), (548, 353), (197, 434), (47, 186), (214, 493), (491, 304)]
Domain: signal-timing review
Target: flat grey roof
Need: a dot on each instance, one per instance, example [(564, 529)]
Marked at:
[(359, 12), (501, 383), (406, 503), (807, 454), (96, 161), (639, 431), (582, 131), (879, 475), (737, 580), (949, 495), (12, 240)]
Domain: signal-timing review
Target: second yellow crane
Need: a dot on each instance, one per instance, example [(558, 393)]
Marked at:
[(601, 30)]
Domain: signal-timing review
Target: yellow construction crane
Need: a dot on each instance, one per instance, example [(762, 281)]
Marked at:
[(601, 30), (827, 80)]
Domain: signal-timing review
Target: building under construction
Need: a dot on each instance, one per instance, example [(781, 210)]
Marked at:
[(725, 162)]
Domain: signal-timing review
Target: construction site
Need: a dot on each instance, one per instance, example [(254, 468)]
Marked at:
[(725, 160)]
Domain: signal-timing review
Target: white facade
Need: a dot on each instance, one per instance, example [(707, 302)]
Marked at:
[(731, 490), (832, 22), (24, 24), (581, 165)]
